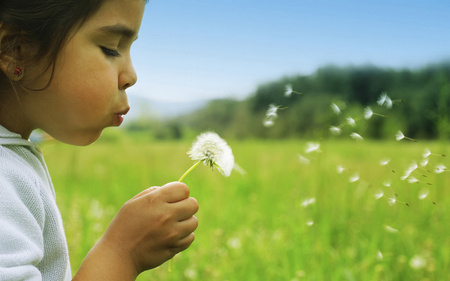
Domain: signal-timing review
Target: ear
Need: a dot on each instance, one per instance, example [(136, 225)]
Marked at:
[(9, 59)]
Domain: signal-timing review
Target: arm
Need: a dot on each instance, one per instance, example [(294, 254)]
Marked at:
[(149, 229)]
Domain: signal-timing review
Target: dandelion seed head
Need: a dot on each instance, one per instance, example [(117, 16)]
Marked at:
[(356, 136), (213, 151), (399, 136), (368, 113)]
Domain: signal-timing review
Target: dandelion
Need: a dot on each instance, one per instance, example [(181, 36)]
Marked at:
[(212, 151), (288, 91), (399, 136), (335, 108), (312, 147), (335, 130), (440, 168), (356, 136), (351, 121), (368, 113)]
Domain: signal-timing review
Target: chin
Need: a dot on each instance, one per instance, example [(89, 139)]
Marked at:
[(82, 139)]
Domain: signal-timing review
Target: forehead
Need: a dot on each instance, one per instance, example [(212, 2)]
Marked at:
[(117, 16)]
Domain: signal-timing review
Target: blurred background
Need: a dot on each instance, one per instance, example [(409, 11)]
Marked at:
[(219, 65)]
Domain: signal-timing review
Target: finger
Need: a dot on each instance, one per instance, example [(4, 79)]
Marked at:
[(186, 227), (174, 192), (146, 191), (185, 208), (184, 243)]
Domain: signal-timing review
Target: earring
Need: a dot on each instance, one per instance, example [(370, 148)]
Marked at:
[(18, 71)]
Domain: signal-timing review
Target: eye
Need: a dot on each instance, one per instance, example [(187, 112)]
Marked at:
[(109, 52)]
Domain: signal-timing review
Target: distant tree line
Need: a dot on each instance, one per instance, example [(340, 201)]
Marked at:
[(421, 106)]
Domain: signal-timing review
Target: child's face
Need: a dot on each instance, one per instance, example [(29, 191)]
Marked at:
[(87, 93)]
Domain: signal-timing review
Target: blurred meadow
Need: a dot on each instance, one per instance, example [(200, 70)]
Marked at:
[(297, 210)]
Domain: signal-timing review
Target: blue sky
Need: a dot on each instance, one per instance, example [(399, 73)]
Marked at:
[(191, 50)]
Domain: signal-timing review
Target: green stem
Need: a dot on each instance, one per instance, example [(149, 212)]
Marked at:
[(189, 170)]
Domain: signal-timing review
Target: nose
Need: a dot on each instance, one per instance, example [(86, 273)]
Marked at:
[(127, 77)]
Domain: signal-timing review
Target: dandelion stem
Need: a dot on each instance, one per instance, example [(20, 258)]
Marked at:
[(189, 170)]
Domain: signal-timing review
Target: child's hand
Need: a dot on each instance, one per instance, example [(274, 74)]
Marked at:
[(149, 229)]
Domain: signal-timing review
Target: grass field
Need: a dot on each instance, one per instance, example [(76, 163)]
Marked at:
[(283, 219)]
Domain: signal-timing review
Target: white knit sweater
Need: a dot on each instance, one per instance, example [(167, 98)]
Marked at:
[(32, 240)]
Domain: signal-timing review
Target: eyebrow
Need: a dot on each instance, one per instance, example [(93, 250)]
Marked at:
[(120, 30)]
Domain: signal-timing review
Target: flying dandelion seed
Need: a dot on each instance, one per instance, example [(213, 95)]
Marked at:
[(308, 202), (288, 91), (335, 130), (272, 111), (379, 194), (303, 159), (413, 180), (335, 108), (440, 169), (356, 136), (423, 194), (392, 200), (379, 255), (368, 113), (384, 162), (309, 222), (268, 122), (387, 183), (353, 178), (424, 163), (312, 147), (390, 229), (212, 151), (399, 136), (428, 153), (385, 100), (351, 121), (340, 169)]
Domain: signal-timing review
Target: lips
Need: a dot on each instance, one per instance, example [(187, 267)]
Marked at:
[(120, 115)]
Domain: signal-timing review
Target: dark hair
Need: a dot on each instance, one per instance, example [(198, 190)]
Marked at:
[(46, 24)]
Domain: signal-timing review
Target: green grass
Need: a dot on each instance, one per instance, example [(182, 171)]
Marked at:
[(253, 226)]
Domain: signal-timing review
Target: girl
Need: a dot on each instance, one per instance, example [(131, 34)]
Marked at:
[(65, 66)]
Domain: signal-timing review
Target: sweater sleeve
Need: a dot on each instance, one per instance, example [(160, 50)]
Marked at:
[(22, 218)]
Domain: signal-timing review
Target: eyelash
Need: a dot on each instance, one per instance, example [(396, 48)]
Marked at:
[(109, 52)]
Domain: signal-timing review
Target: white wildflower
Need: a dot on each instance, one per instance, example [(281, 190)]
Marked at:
[(368, 113), (335, 130), (213, 151), (312, 147), (335, 108), (417, 262), (356, 136)]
